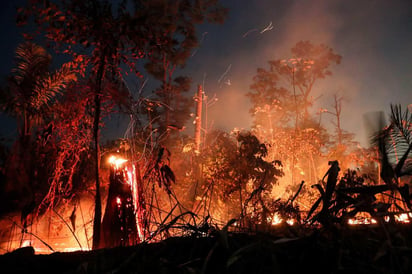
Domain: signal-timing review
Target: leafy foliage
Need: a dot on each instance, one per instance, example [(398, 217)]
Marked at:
[(159, 170), (236, 175)]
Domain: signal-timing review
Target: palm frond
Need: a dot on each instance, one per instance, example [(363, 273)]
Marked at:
[(400, 136), (51, 85), (394, 142), (401, 133), (31, 60), (402, 122)]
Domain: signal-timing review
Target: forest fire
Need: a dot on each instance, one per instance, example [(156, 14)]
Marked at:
[(280, 185), (128, 220)]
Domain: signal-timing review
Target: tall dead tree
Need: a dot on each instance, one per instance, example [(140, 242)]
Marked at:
[(198, 118), (338, 109)]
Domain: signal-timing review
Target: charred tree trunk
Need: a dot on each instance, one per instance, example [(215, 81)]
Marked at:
[(97, 201), (241, 206), (119, 221), (338, 110), (332, 173)]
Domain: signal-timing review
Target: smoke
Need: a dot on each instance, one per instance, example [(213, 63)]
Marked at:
[(316, 21), (369, 36)]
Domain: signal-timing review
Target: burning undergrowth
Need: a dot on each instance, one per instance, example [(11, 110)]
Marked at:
[(207, 226), (362, 250), (152, 207)]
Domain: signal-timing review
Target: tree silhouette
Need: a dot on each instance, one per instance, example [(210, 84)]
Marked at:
[(309, 63)]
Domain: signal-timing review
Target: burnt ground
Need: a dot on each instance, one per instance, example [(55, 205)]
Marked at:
[(364, 249)]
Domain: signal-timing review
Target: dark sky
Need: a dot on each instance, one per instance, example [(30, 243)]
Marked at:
[(10, 39), (374, 38)]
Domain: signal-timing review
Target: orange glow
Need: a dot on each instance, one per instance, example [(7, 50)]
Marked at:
[(361, 221), (131, 180), (362, 218), (26, 243), (117, 162), (403, 218), (50, 229), (277, 219), (290, 221), (366, 219)]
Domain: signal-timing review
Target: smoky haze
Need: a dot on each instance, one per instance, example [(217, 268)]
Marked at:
[(373, 38)]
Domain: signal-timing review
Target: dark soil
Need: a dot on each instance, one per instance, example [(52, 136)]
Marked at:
[(378, 249)]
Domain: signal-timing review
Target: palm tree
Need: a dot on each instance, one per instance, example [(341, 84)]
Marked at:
[(394, 143), (31, 90)]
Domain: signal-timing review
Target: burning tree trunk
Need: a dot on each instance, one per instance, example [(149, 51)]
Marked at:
[(120, 225)]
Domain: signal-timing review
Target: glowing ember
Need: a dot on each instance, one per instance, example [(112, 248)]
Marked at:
[(290, 221), (276, 219), (366, 219), (361, 221), (403, 218)]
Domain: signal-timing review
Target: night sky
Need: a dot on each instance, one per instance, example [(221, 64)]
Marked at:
[(373, 37)]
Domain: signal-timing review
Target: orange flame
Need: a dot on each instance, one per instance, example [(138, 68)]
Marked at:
[(117, 162)]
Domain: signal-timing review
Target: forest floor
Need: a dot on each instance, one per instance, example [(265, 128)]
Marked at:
[(362, 249)]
